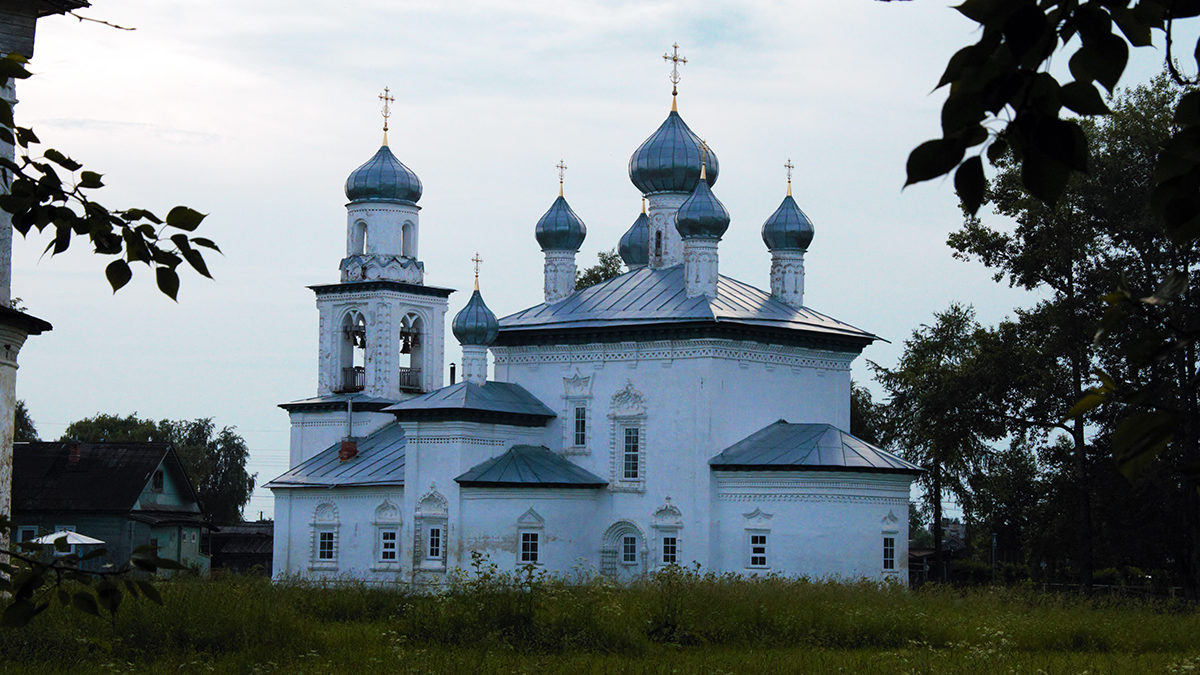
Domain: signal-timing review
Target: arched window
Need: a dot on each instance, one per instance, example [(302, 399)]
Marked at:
[(358, 238), (658, 251), (409, 243), (623, 551), (412, 351), (325, 527), (430, 532), (353, 352)]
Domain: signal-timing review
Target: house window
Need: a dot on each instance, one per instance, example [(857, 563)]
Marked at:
[(325, 546), (580, 426), (631, 454), (669, 550), (629, 550), (434, 551), (387, 546), (758, 549), (26, 533), (529, 547), (889, 553), (156, 483)]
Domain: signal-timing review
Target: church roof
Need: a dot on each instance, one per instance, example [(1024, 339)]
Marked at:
[(362, 402), (380, 461), (502, 402), (807, 447), (529, 466), (647, 297)]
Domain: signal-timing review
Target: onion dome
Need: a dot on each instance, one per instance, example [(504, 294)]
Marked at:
[(788, 229), (560, 229), (383, 178), (669, 161), (475, 324), (635, 243), (702, 215)]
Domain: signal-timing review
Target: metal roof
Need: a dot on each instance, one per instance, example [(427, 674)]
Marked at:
[(363, 402), (659, 296), (807, 447), (529, 466), (497, 401), (380, 461)]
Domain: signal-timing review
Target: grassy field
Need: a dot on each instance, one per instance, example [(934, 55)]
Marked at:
[(678, 622)]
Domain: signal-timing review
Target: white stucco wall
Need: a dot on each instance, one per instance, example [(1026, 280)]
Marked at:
[(356, 533), (314, 431)]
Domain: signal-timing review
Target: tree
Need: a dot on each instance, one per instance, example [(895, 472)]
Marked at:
[(39, 199), (607, 267), (215, 460), (866, 416), (23, 429), (934, 415)]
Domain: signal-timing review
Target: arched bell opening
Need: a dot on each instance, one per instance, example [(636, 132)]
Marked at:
[(358, 238), (408, 234), (412, 352), (352, 353)]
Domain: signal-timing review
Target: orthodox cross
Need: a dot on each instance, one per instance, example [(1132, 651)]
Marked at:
[(675, 60), (387, 99), (562, 171), (789, 166), (477, 260), (703, 158)]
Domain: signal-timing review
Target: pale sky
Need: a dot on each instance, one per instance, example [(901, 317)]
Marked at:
[(255, 112)]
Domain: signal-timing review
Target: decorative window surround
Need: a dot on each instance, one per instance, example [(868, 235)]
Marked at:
[(613, 548), (387, 536), (668, 522), (628, 431), (891, 532), (530, 541), (758, 534), (430, 532), (325, 530), (577, 414)]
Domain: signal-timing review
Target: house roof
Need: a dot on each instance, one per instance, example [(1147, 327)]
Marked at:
[(380, 461), (807, 447), (658, 297), (102, 477), (502, 402), (529, 466)]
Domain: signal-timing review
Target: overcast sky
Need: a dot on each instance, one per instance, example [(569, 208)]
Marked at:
[(255, 112)]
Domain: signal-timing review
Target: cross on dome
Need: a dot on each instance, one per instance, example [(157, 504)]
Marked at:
[(387, 99), (562, 171), (675, 60), (789, 166), (476, 260)]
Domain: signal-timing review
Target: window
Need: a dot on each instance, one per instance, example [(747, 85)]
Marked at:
[(325, 550), (889, 553), (529, 547), (580, 426), (629, 550), (631, 455), (658, 250), (156, 483), (669, 550), (434, 551), (758, 549), (26, 533), (387, 545)]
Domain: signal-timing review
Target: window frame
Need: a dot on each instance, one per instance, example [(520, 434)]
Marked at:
[(438, 554), (633, 433), (384, 550), (627, 549), (531, 555), (670, 539), (752, 553), (23, 530), (319, 556), (157, 481), (579, 435), (889, 553)]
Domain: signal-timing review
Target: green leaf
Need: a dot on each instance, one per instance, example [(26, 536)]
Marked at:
[(150, 591), (1187, 111), (184, 218), (118, 274), (1170, 288), (1139, 438), (1101, 59), (996, 150), (61, 160), (90, 179), (86, 603), (110, 596), (168, 281), (26, 137), (1137, 32), (932, 159), (1090, 400), (206, 243), (1083, 98), (969, 182), (983, 11)]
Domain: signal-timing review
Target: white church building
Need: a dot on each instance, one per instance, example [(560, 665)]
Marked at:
[(669, 415)]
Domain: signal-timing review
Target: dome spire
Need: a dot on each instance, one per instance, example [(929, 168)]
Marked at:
[(387, 99), (675, 59), (562, 170), (789, 166), (476, 260)]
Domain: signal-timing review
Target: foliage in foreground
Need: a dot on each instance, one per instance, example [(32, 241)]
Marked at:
[(526, 620)]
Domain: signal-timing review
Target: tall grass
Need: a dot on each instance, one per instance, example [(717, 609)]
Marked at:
[(491, 618)]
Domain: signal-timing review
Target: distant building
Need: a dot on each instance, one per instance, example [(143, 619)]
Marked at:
[(244, 548), (125, 494), (668, 415)]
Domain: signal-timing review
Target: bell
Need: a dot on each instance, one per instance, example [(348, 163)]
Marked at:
[(406, 346)]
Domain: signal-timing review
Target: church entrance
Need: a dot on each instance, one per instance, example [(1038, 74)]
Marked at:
[(623, 552)]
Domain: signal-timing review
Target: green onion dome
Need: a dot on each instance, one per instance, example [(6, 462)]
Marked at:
[(669, 161), (702, 215), (560, 229), (635, 243), (383, 178), (475, 324), (788, 229)]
